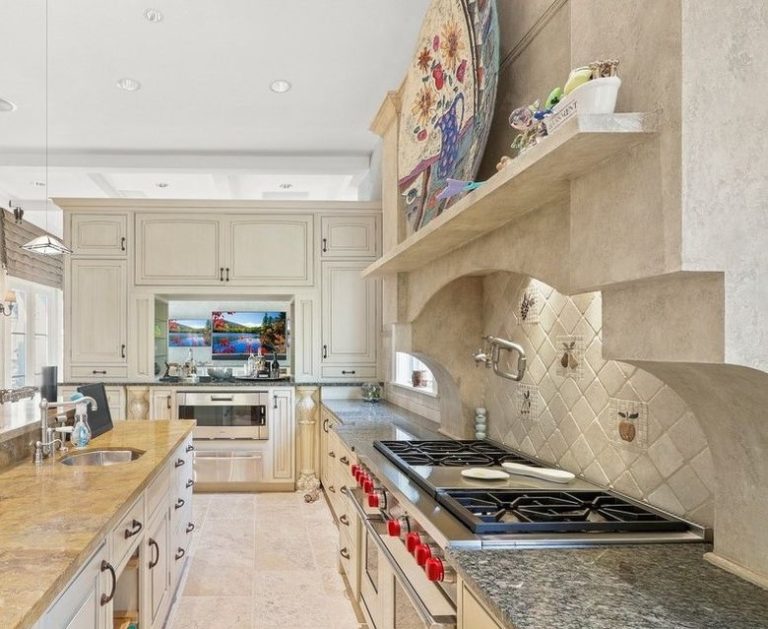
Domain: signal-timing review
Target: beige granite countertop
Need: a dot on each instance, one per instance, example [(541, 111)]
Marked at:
[(53, 517)]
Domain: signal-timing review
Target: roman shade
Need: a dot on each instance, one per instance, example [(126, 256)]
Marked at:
[(19, 263)]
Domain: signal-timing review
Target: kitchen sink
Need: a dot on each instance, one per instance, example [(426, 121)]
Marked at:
[(103, 457)]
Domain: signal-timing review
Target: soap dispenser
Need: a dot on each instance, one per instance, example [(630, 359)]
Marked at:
[(81, 433)]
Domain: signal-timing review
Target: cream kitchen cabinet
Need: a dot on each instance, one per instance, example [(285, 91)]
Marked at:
[(115, 399), (162, 403), (224, 250), (349, 318), (98, 235), (472, 614), (158, 584), (327, 423), (95, 338), (282, 433), (346, 236), (80, 606)]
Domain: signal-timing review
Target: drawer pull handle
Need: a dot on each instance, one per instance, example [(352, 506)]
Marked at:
[(352, 372), (105, 565), (179, 463), (344, 460), (189, 448), (102, 372), (343, 489), (344, 519), (221, 273), (168, 401), (122, 351), (325, 245), (325, 425), (227, 270), (190, 527), (180, 553), (325, 351), (135, 529), (332, 489), (189, 484), (122, 244), (344, 553), (332, 454), (179, 503), (154, 545)]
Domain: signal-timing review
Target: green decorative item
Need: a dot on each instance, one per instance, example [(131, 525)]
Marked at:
[(554, 97)]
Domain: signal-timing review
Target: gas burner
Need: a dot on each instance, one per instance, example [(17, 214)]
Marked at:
[(504, 511), (448, 454), (465, 459)]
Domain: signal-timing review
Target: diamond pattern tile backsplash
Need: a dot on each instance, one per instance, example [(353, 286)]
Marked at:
[(607, 421)]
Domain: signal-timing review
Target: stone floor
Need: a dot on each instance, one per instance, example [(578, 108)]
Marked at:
[(262, 561)]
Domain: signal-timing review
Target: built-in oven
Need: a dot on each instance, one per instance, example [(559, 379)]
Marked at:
[(226, 414), (394, 591)]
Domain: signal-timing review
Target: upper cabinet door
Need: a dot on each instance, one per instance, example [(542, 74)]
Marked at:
[(178, 249), (97, 312), (269, 250), (349, 320), (349, 236), (99, 235)]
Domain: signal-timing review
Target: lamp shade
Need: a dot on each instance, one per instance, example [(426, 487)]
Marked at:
[(46, 245)]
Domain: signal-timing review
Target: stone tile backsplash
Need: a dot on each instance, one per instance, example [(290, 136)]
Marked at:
[(608, 421)]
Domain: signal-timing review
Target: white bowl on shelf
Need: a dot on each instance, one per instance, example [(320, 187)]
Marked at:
[(597, 96)]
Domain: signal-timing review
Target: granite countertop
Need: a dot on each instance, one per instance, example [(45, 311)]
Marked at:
[(653, 586), (52, 517)]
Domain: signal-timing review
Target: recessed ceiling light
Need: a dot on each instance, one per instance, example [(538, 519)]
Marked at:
[(280, 86), (153, 15), (7, 106), (38, 184), (162, 184), (286, 186), (129, 85)]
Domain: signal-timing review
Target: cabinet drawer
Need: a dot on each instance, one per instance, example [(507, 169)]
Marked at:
[(97, 373), (349, 236), (157, 493), (355, 372), (127, 532)]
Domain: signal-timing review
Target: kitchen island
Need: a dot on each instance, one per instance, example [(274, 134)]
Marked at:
[(53, 517)]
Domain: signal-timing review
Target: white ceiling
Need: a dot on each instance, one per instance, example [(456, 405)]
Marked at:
[(204, 120)]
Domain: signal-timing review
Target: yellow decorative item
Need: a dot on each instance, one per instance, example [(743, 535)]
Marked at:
[(578, 76)]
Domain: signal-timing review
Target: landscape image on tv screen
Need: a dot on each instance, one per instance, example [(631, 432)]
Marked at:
[(236, 335), (189, 333)]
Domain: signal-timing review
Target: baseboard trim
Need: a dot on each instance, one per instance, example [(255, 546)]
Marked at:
[(737, 569)]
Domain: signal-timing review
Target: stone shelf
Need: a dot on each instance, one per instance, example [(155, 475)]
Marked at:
[(539, 176)]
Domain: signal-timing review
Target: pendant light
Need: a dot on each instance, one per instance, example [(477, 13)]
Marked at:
[(47, 244)]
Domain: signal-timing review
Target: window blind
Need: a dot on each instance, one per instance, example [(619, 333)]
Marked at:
[(48, 270)]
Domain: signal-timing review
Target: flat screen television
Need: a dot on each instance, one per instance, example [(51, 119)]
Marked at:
[(236, 335), (189, 333)]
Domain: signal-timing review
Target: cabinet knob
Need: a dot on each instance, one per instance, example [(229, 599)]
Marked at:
[(189, 484), (180, 553), (179, 504), (190, 527), (135, 529), (179, 463)]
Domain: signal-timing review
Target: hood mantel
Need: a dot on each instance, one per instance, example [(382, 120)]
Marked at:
[(671, 231)]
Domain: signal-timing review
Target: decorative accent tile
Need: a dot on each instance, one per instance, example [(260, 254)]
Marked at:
[(630, 423), (528, 402), (530, 305), (570, 356)]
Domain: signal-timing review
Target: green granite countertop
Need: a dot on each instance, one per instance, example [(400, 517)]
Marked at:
[(653, 586)]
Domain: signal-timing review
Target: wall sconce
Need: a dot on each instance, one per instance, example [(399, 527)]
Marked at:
[(8, 304)]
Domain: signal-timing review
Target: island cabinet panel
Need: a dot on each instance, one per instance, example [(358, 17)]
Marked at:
[(97, 311), (472, 614), (281, 432), (349, 319), (157, 584), (99, 235), (80, 606), (349, 236), (178, 249), (268, 250), (162, 405)]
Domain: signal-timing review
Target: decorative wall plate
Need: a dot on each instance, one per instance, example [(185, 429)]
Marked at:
[(448, 103)]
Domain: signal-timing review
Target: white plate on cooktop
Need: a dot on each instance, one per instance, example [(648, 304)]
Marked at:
[(483, 473), (544, 473)]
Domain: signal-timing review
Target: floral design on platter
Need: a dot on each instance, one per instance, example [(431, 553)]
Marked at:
[(448, 102)]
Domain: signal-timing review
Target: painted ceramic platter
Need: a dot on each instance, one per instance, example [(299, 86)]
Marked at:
[(448, 101), (483, 473)]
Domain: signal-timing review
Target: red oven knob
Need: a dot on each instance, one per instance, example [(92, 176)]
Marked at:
[(412, 540), (361, 478), (393, 528), (353, 470), (434, 569), (368, 486), (423, 552)]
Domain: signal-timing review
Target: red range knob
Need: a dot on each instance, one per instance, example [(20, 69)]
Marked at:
[(434, 569), (393, 528), (373, 501), (368, 486), (362, 477), (412, 540), (423, 552), (353, 469)]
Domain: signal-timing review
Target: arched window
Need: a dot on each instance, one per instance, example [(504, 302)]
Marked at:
[(413, 374)]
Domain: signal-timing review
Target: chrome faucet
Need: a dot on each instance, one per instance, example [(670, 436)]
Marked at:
[(490, 353), (47, 444)]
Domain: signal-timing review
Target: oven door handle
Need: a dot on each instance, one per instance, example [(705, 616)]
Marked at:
[(429, 621)]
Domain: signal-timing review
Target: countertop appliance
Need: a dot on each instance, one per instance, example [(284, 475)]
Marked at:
[(226, 414)]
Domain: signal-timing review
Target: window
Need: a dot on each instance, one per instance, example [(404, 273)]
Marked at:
[(34, 332), (410, 372)]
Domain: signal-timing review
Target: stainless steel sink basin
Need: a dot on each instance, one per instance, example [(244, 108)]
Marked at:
[(105, 456)]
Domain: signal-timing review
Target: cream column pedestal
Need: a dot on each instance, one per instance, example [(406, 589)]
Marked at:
[(307, 410)]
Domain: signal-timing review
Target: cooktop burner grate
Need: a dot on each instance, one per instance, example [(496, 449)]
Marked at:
[(448, 453), (511, 511)]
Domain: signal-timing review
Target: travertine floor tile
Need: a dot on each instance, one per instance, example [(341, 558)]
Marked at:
[(263, 561)]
